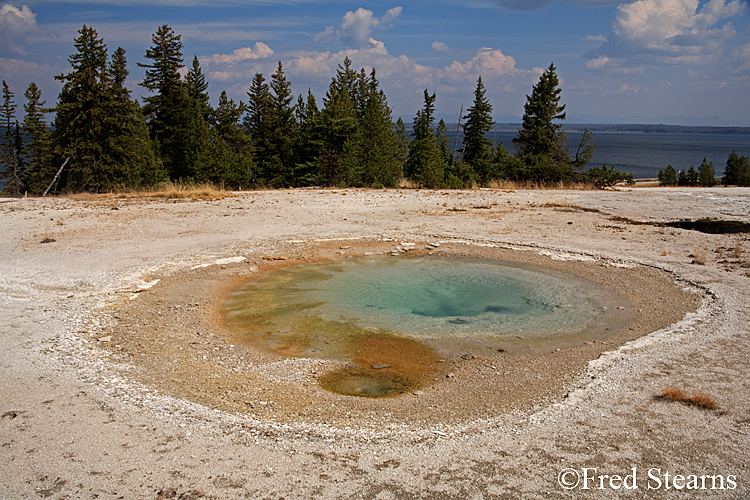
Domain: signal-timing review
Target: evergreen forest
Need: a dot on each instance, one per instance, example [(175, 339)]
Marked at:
[(100, 139)]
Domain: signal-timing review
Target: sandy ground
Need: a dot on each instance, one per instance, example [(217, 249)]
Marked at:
[(119, 380)]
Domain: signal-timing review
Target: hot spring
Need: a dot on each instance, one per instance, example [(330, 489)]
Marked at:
[(392, 319)]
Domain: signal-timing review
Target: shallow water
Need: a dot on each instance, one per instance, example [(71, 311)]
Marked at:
[(406, 312)]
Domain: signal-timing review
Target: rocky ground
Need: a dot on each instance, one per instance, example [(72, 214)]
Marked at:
[(119, 378)]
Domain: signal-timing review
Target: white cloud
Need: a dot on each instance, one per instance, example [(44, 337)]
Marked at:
[(402, 77), (626, 88), (594, 38), (497, 70), (655, 23), (439, 46), (259, 51), (19, 73), (356, 28), (391, 15), (741, 58), (597, 63), (669, 32), (25, 69), (16, 27), (487, 62), (374, 54), (221, 76)]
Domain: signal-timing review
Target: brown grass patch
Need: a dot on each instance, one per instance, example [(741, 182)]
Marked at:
[(700, 256), (699, 399), (534, 185), (178, 190), (165, 189)]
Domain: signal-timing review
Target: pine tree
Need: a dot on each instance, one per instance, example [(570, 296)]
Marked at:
[(333, 131), (380, 165), (232, 145), (308, 146), (81, 130), (347, 80), (176, 120), (426, 164), (38, 173), (422, 125), (131, 149), (299, 110), (11, 148), (118, 70), (706, 174), (197, 88), (363, 89), (585, 151), (162, 77), (346, 151), (737, 170), (477, 147), (689, 178), (403, 142), (668, 176), (444, 143), (509, 166), (280, 135), (541, 143), (259, 106)]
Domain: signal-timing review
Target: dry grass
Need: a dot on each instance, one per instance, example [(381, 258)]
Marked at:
[(673, 394), (166, 189), (737, 250), (700, 256), (698, 399), (407, 183), (178, 190), (580, 186)]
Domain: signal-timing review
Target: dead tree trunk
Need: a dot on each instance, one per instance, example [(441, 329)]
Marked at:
[(57, 176)]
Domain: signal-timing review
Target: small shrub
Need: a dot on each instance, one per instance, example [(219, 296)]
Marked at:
[(673, 394), (699, 399), (700, 256), (601, 177), (737, 250), (703, 400)]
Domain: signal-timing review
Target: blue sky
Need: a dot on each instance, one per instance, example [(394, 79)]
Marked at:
[(642, 61)]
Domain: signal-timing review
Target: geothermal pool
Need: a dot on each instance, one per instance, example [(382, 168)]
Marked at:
[(392, 318)]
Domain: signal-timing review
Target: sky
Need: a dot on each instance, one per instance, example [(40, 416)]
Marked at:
[(682, 62)]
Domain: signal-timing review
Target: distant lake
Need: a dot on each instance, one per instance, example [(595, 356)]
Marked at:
[(644, 154)]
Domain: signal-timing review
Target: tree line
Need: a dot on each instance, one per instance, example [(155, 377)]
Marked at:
[(106, 140), (736, 173)]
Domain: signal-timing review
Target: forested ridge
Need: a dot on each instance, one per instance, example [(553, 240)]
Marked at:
[(101, 139)]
